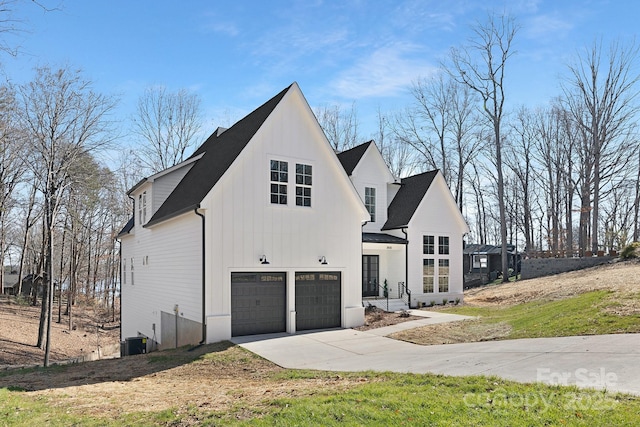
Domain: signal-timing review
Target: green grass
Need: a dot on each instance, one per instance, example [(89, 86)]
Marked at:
[(584, 314), (381, 399)]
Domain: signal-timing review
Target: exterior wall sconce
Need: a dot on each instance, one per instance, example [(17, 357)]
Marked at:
[(323, 260), (263, 260)]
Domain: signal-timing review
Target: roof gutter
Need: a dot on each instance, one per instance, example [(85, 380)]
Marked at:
[(406, 263), (204, 317)]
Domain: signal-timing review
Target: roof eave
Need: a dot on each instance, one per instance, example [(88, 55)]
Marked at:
[(172, 215)]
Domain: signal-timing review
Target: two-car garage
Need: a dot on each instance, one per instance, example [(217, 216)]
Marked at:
[(259, 301)]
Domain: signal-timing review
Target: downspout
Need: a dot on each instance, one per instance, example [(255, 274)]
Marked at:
[(406, 263), (204, 324), (133, 202)]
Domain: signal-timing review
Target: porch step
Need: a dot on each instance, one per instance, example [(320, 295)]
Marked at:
[(394, 304)]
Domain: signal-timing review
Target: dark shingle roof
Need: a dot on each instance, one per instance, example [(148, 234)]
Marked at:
[(382, 238), (126, 229), (220, 150), (404, 204), (351, 158)]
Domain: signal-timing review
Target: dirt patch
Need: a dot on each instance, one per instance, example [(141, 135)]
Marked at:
[(19, 334), (455, 332), (377, 318), (621, 277), (216, 377)]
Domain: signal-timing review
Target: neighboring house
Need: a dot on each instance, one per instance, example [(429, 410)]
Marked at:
[(483, 263), (259, 231), (265, 229), (415, 233), (28, 287)]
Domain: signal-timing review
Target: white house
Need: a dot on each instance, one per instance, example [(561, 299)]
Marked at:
[(414, 240), (265, 229)]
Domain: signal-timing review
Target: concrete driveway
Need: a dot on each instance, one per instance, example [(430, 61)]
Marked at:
[(609, 362)]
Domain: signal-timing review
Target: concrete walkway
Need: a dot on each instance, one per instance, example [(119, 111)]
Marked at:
[(609, 362)]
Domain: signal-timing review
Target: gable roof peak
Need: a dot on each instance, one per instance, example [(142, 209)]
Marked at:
[(351, 157), (217, 154)]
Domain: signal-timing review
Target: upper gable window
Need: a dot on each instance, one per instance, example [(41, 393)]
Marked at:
[(370, 202), (142, 208), (428, 245), (303, 185), (443, 245), (279, 172)]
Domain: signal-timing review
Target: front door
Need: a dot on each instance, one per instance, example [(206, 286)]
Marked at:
[(370, 275)]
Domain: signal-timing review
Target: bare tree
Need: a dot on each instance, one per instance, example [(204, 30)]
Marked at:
[(400, 158), (519, 158), (167, 123), (600, 93), (491, 45), (63, 118), (339, 126)]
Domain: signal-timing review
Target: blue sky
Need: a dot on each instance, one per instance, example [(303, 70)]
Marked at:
[(237, 54)]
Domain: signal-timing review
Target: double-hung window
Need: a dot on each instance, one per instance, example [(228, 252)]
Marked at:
[(370, 202), (428, 271), (279, 179), (443, 245), (443, 275), (303, 185), (142, 208), (428, 245), (435, 274)]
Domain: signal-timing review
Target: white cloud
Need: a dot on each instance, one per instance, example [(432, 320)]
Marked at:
[(547, 26), (388, 71)]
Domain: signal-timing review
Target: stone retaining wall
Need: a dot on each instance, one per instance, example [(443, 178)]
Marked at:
[(539, 267)]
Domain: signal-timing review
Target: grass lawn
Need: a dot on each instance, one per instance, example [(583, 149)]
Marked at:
[(592, 313), (375, 399)]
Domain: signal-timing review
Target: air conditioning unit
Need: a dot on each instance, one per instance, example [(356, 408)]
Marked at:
[(133, 345)]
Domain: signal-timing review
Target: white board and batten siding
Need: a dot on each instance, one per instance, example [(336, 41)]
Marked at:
[(166, 274), (437, 215), (164, 184), (372, 172), (242, 224)]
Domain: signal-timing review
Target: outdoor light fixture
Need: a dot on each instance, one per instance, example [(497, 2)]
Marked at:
[(263, 259), (323, 260)]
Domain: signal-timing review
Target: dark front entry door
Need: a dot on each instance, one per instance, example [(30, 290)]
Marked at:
[(370, 275)]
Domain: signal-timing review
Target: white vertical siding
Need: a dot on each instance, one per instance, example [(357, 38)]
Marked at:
[(165, 184), (167, 271), (242, 224), (437, 215), (372, 172)]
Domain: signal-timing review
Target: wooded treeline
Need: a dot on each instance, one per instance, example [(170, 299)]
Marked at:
[(565, 174), (563, 177)]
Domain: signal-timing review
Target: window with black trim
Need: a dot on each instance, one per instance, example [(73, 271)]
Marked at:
[(443, 245), (303, 185), (428, 272), (370, 202), (443, 275), (279, 172), (428, 245)]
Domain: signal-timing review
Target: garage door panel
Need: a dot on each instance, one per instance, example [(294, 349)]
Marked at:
[(318, 300), (258, 303)]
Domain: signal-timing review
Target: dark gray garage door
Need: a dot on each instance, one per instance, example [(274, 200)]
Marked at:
[(258, 303), (318, 302)]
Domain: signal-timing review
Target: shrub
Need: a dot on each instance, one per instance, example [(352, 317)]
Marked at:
[(632, 250)]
